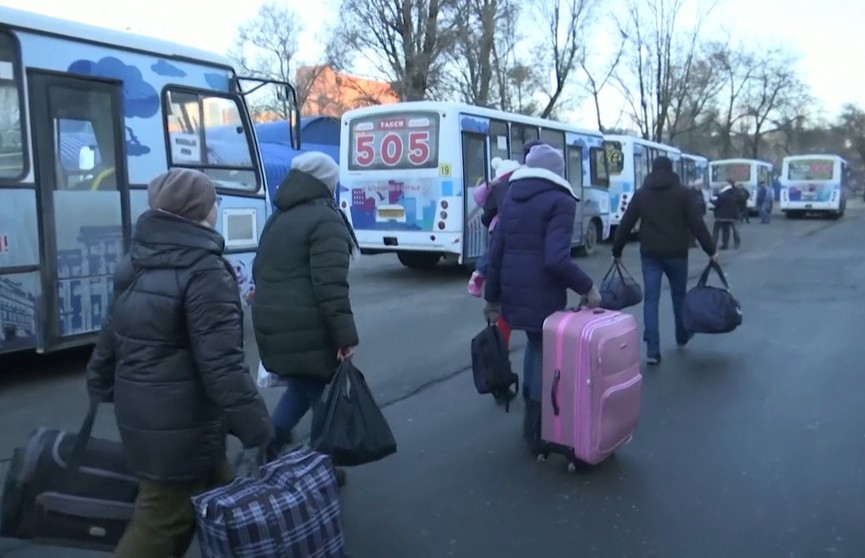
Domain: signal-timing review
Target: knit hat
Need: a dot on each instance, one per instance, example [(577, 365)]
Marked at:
[(528, 147), (662, 163), (186, 193), (318, 165), (546, 157), (502, 167)]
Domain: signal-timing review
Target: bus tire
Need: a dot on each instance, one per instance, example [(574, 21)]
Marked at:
[(590, 242), (419, 260)]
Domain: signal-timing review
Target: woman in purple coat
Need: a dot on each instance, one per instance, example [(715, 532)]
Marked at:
[(530, 269)]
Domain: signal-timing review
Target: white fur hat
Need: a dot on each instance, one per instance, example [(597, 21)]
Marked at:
[(502, 167)]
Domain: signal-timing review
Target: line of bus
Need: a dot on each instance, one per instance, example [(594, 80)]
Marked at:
[(407, 170), (748, 173), (88, 117), (814, 184)]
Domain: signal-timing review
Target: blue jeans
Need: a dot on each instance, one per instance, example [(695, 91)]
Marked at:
[(533, 360), (297, 399), (765, 213), (676, 270)]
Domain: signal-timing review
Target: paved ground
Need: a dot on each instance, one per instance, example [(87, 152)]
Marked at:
[(750, 444)]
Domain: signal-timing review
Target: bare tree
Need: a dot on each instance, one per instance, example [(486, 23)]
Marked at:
[(266, 47), (659, 59), (698, 85), (407, 41), (597, 81), (737, 67), (851, 127)]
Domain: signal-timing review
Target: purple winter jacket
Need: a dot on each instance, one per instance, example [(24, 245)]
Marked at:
[(530, 268)]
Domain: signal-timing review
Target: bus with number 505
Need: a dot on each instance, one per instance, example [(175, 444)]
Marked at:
[(407, 171)]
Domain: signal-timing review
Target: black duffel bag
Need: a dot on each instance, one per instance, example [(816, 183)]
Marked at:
[(68, 490), (711, 309), (619, 289)]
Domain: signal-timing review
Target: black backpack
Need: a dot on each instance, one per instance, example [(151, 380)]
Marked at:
[(491, 366)]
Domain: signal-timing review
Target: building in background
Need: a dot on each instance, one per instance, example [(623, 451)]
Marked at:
[(327, 92)]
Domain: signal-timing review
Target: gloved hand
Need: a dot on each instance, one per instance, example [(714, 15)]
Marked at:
[(249, 461), (492, 312), (591, 299)]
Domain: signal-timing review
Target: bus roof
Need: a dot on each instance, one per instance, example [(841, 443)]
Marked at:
[(814, 156), (637, 139), (28, 21), (695, 157), (471, 109), (741, 160)]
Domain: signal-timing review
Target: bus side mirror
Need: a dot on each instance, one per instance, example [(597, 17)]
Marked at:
[(294, 127)]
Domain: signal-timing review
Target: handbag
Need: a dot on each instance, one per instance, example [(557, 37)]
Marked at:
[(619, 289)]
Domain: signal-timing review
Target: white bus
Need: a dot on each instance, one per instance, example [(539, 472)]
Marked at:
[(814, 183), (748, 173), (407, 171), (88, 117), (630, 159), (694, 170)]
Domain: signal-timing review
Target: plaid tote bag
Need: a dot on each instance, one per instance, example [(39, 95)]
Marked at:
[(290, 509)]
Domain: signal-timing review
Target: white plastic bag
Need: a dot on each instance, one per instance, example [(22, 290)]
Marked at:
[(268, 379)]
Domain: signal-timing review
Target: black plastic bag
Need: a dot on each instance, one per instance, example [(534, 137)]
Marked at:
[(349, 426), (619, 289)]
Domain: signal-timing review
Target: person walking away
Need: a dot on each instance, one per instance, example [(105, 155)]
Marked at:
[(696, 190), (667, 213), (727, 204), (170, 356), (764, 203), (530, 268), (485, 199), (745, 195), (302, 315)]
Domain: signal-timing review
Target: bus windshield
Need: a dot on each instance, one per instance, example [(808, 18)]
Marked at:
[(811, 169), (11, 138), (737, 172), (615, 157), (394, 141)]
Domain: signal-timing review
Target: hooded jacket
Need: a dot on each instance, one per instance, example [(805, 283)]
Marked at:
[(667, 213), (171, 354), (301, 312), (530, 268)]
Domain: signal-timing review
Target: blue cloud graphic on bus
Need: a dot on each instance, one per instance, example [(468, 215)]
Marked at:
[(140, 98), (134, 148), (217, 81), (163, 68)]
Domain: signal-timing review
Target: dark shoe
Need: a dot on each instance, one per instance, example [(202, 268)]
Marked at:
[(724, 248), (279, 444), (653, 360), (532, 425), (340, 476), (682, 344)]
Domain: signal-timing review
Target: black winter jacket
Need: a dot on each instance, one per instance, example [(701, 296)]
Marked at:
[(728, 204), (301, 312), (667, 212), (170, 354)]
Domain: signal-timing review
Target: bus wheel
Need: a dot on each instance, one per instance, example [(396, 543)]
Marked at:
[(590, 243), (419, 260)]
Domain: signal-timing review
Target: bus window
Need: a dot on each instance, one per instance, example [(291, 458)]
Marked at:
[(474, 160), (575, 168), (599, 167), (499, 139), (554, 138), (520, 135), (212, 138), (763, 175), (641, 165), (615, 157), (11, 138)]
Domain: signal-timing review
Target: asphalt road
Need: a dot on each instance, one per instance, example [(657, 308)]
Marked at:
[(750, 444)]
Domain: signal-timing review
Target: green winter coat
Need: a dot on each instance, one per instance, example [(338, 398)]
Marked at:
[(301, 310)]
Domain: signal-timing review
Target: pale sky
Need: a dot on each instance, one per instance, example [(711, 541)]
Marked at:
[(828, 35)]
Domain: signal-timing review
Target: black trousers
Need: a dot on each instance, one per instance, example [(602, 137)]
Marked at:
[(724, 226)]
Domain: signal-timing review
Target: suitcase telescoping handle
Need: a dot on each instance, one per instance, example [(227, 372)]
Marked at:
[(83, 436), (554, 392)]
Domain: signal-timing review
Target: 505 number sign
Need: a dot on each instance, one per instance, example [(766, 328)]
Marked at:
[(393, 148)]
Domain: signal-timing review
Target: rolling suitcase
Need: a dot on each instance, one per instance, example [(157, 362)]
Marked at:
[(67, 489), (591, 384)]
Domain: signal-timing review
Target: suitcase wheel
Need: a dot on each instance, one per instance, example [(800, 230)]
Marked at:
[(541, 458), (572, 467)]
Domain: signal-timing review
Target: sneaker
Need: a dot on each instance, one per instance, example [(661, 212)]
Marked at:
[(654, 360), (476, 282)]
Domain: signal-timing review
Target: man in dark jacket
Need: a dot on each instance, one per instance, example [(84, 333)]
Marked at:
[(728, 207), (302, 313), (667, 214), (170, 354), (531, 269)]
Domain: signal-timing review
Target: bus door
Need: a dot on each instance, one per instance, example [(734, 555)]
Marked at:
[(80, 163), (475, 172)]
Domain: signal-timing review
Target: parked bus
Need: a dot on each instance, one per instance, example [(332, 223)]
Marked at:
[(814, 183), (407, 171), (694, 170), (630, 159), (88, 117), (748, 173)]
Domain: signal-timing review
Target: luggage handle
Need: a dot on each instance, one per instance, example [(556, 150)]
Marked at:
[(83, 436), (620, 270), (554, 392), (704, 277)]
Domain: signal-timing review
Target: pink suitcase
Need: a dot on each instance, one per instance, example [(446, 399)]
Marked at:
[(591, 384)]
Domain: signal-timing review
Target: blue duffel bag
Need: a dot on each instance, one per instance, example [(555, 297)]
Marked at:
[(619, 289), (711, 309)]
